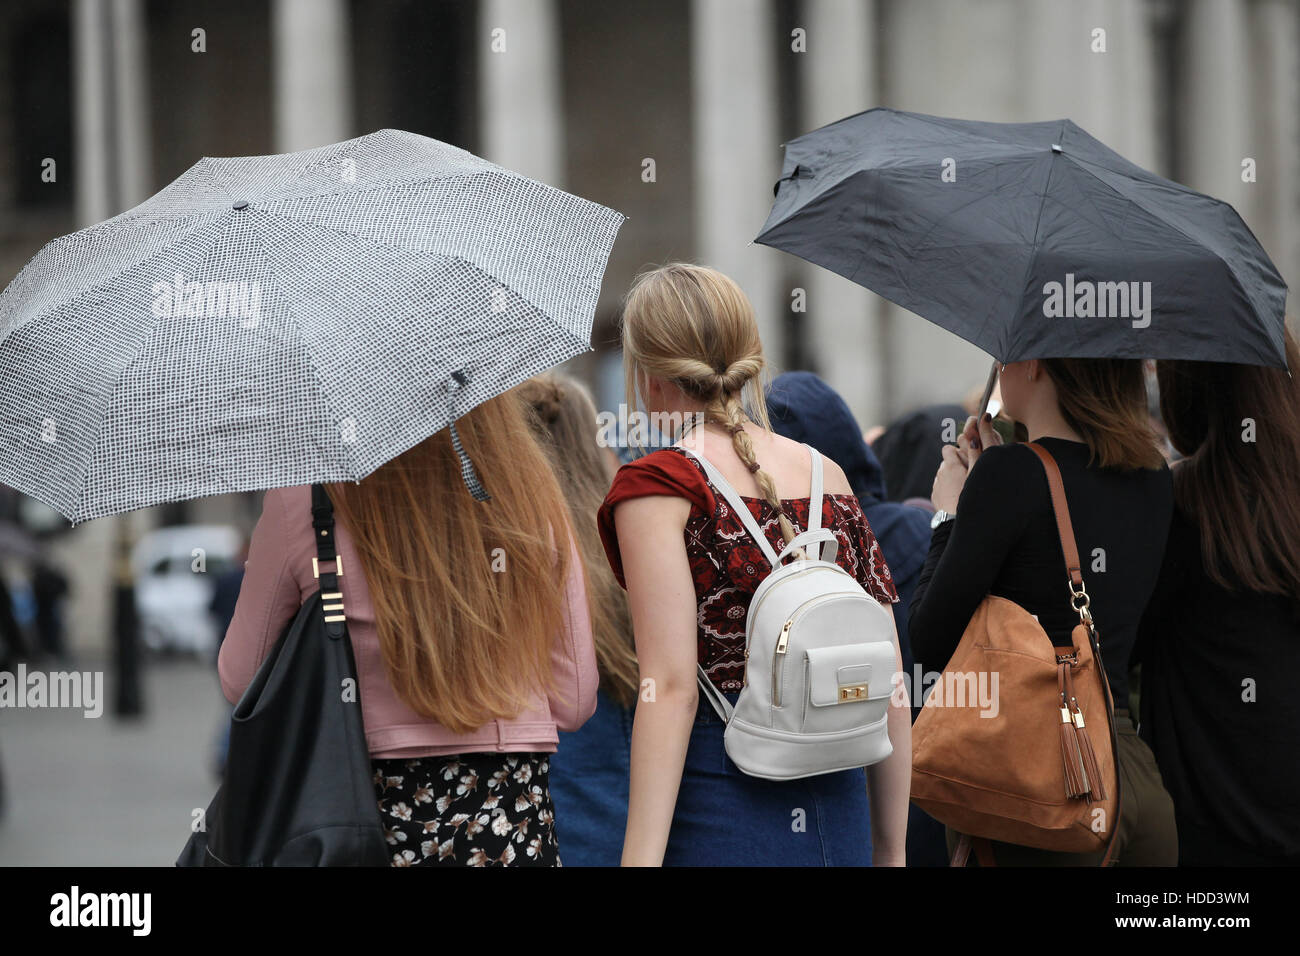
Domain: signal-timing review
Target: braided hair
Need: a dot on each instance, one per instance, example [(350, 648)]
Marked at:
[(694, 327)]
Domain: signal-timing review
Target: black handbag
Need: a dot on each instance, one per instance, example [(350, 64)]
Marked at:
[(298, 787)]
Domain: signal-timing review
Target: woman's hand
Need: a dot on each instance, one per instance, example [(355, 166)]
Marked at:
[(949, 480), (975, 438), (959, 459)]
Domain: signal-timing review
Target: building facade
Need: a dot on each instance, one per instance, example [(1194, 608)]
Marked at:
[(672, 112)]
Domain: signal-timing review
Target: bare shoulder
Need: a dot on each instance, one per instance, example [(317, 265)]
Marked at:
[(795, 456), (834, 481)]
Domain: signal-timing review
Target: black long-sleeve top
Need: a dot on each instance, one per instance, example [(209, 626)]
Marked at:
[(1004, 542), (1220, 710)]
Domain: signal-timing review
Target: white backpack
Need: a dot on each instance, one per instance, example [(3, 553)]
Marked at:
[(819, 658)]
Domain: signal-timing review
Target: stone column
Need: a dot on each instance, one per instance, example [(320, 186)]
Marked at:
[(520, 99), (844, 319), (737, 154), (312, 76)]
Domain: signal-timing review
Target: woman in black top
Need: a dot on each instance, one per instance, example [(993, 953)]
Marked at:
[(1220, 643), (995, 533)]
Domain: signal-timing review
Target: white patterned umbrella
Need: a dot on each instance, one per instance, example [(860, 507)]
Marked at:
[(278, 320)]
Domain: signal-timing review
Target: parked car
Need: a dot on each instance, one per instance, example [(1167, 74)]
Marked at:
[(175, 570)]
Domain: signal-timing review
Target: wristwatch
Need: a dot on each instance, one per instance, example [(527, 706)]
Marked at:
[(940, 517)]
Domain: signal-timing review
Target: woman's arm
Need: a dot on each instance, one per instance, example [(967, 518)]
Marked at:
[(967, 553), (661, 597), (573, 659), (269, 597), (889, 783)]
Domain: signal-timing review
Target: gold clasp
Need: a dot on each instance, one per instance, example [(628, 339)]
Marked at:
[(852, 692), (338, 564)]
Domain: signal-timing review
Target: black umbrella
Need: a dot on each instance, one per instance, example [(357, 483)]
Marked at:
[(1030, 240)]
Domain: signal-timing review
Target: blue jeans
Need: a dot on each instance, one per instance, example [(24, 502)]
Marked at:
[(725, 817)]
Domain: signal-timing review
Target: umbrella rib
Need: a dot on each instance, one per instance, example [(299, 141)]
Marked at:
[(95, 287), (350, 466), (1038, 224), (937, 121), (386, 184), (108, 404), (210, 171), (411, 251), (1156, 214)]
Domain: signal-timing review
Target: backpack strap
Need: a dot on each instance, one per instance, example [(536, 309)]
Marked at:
[(815, 495), (721, 706), (747, 518), (739, 507)]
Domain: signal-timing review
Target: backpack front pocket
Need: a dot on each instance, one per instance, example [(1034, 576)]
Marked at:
[(846, 684)]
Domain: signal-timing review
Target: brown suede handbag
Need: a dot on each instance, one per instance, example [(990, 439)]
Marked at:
[(1036, 773)]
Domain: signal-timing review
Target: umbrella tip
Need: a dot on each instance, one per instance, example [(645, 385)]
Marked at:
[(1056, 147)]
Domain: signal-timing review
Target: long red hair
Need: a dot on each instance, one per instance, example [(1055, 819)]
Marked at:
[(468, 595)]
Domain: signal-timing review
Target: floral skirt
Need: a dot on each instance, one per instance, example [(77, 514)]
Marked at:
[(478, 809)]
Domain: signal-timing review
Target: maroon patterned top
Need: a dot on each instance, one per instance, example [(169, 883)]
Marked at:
[(727, 564)]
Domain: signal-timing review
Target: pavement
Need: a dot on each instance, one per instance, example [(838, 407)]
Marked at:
[(105, 791)]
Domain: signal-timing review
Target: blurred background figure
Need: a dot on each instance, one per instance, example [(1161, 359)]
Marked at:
[(909, 451), (1220, 640), (225, 594), (589, 772)]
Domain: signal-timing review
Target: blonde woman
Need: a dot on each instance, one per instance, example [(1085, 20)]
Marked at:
[(691, 347), (470, 628), (589, 775)]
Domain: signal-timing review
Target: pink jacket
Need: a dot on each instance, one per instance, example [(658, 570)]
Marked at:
[(278, 579)]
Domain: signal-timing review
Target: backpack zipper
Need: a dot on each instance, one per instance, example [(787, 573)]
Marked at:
[(783, 642)]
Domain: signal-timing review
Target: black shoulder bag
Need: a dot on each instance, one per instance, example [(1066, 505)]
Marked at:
[(297, 788)]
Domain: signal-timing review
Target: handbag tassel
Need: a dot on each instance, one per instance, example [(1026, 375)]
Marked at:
[(1096, 786), (1076, 782)]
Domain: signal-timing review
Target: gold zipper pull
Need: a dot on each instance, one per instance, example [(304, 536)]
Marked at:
[(784, 639)]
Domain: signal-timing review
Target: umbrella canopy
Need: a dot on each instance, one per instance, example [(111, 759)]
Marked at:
[(278, 320), (1030, 240)]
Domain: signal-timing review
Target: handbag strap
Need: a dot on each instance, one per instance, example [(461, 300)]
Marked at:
[(322, 522), (1062, 511), (1079, 601)]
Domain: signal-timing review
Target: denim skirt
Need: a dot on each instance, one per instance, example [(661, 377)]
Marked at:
[(725, 817), (589, 784)]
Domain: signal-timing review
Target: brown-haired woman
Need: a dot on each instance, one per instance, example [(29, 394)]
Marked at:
[(589, 774), (691, 348), (995, 533), (470, 628), (1220, 642)]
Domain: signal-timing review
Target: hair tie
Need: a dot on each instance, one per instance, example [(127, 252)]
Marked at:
[(753, 469), (736, 429)]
